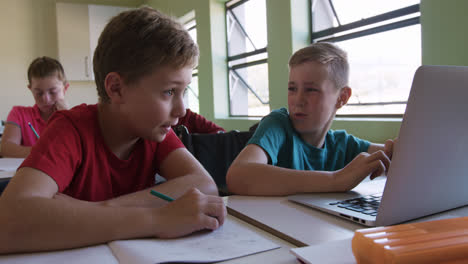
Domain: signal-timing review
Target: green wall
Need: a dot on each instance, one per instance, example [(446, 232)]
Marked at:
[(444, 37), (443, 26)]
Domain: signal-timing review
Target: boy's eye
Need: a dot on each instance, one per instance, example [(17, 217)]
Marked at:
[(186, 89), (170, 92), (311, 90), (291, 89)]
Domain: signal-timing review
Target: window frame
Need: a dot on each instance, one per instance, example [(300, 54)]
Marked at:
[(195, 70), (229, 6), (321, 36)]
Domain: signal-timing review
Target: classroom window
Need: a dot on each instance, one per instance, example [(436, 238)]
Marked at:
[(383, 42), (247, 58), (191, 95)]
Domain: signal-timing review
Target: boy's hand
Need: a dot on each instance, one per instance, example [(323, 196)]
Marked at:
[(191, 212), (364, 164), (61, 104)]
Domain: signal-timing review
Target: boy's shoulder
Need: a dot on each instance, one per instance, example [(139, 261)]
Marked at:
[(337, 135), (277, 117), (21, 108), (25, 112), (276, 123), (82, 109), (281, 113), (341, 137), (82, 113)]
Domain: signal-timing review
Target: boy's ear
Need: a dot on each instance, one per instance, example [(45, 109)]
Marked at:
[(65, 87), (343, 97), (113, 85)]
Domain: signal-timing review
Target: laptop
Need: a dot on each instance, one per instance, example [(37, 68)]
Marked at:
[(429, 169)]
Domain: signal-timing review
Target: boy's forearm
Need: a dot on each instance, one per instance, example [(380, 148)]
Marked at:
[(38, 224), (178, 186), (263, 179), (12, 150), (173, 188)]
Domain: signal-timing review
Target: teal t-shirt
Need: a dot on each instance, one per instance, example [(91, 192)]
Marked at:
[(276, 135)]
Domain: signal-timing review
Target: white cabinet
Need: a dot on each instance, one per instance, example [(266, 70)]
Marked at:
[(78, 30)]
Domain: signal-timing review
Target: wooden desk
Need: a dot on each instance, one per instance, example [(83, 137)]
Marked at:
[(301, 225), (292, 222)]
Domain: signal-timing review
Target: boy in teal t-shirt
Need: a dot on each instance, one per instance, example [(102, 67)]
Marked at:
[(295, 151)]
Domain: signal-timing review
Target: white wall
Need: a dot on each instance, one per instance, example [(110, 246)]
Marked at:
[(28, 30)]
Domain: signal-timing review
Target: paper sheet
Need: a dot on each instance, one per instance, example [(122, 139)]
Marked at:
[(6, 174), (10, 164), (333, 252), (232, 240)]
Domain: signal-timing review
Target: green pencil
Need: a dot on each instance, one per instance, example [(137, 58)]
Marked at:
[(33, 130), (162, 196)]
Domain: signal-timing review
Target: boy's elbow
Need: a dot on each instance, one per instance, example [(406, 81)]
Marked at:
[(234, 181), (208, 186)]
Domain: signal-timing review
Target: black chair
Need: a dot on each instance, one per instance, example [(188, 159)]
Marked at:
[(3, 184), (215, 152)]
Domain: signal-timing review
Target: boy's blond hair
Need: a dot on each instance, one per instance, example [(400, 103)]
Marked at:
[(136, 42), (334, 58), (44, 66)]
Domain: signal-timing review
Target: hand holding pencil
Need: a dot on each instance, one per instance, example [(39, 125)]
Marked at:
[(192, 212)]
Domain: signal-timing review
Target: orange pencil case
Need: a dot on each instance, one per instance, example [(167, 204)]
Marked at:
[(440, 241)]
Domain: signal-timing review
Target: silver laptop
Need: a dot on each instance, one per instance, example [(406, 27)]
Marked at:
[(429, 169)]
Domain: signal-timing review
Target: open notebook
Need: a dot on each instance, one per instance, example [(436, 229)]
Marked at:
[(232, 240)]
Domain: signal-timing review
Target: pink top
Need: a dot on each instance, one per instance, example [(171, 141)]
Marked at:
[(20, 116), (72, 151)]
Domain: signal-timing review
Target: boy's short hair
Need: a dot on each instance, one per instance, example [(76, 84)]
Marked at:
[(136, 42), (334, 58), (44, 67)]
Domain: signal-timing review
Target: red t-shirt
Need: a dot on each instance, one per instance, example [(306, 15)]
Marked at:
[(20, 116), (196, 123), (72, 151)]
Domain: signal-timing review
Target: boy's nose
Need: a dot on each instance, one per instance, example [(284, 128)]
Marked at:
[(300, 101), (179, 108), (46, 98)]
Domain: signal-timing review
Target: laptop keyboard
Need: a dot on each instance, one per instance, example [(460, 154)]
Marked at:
[(367, 204)]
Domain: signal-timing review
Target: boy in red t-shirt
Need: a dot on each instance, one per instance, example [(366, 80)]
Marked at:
[(88, 179), (196, 123), (48, 84)]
